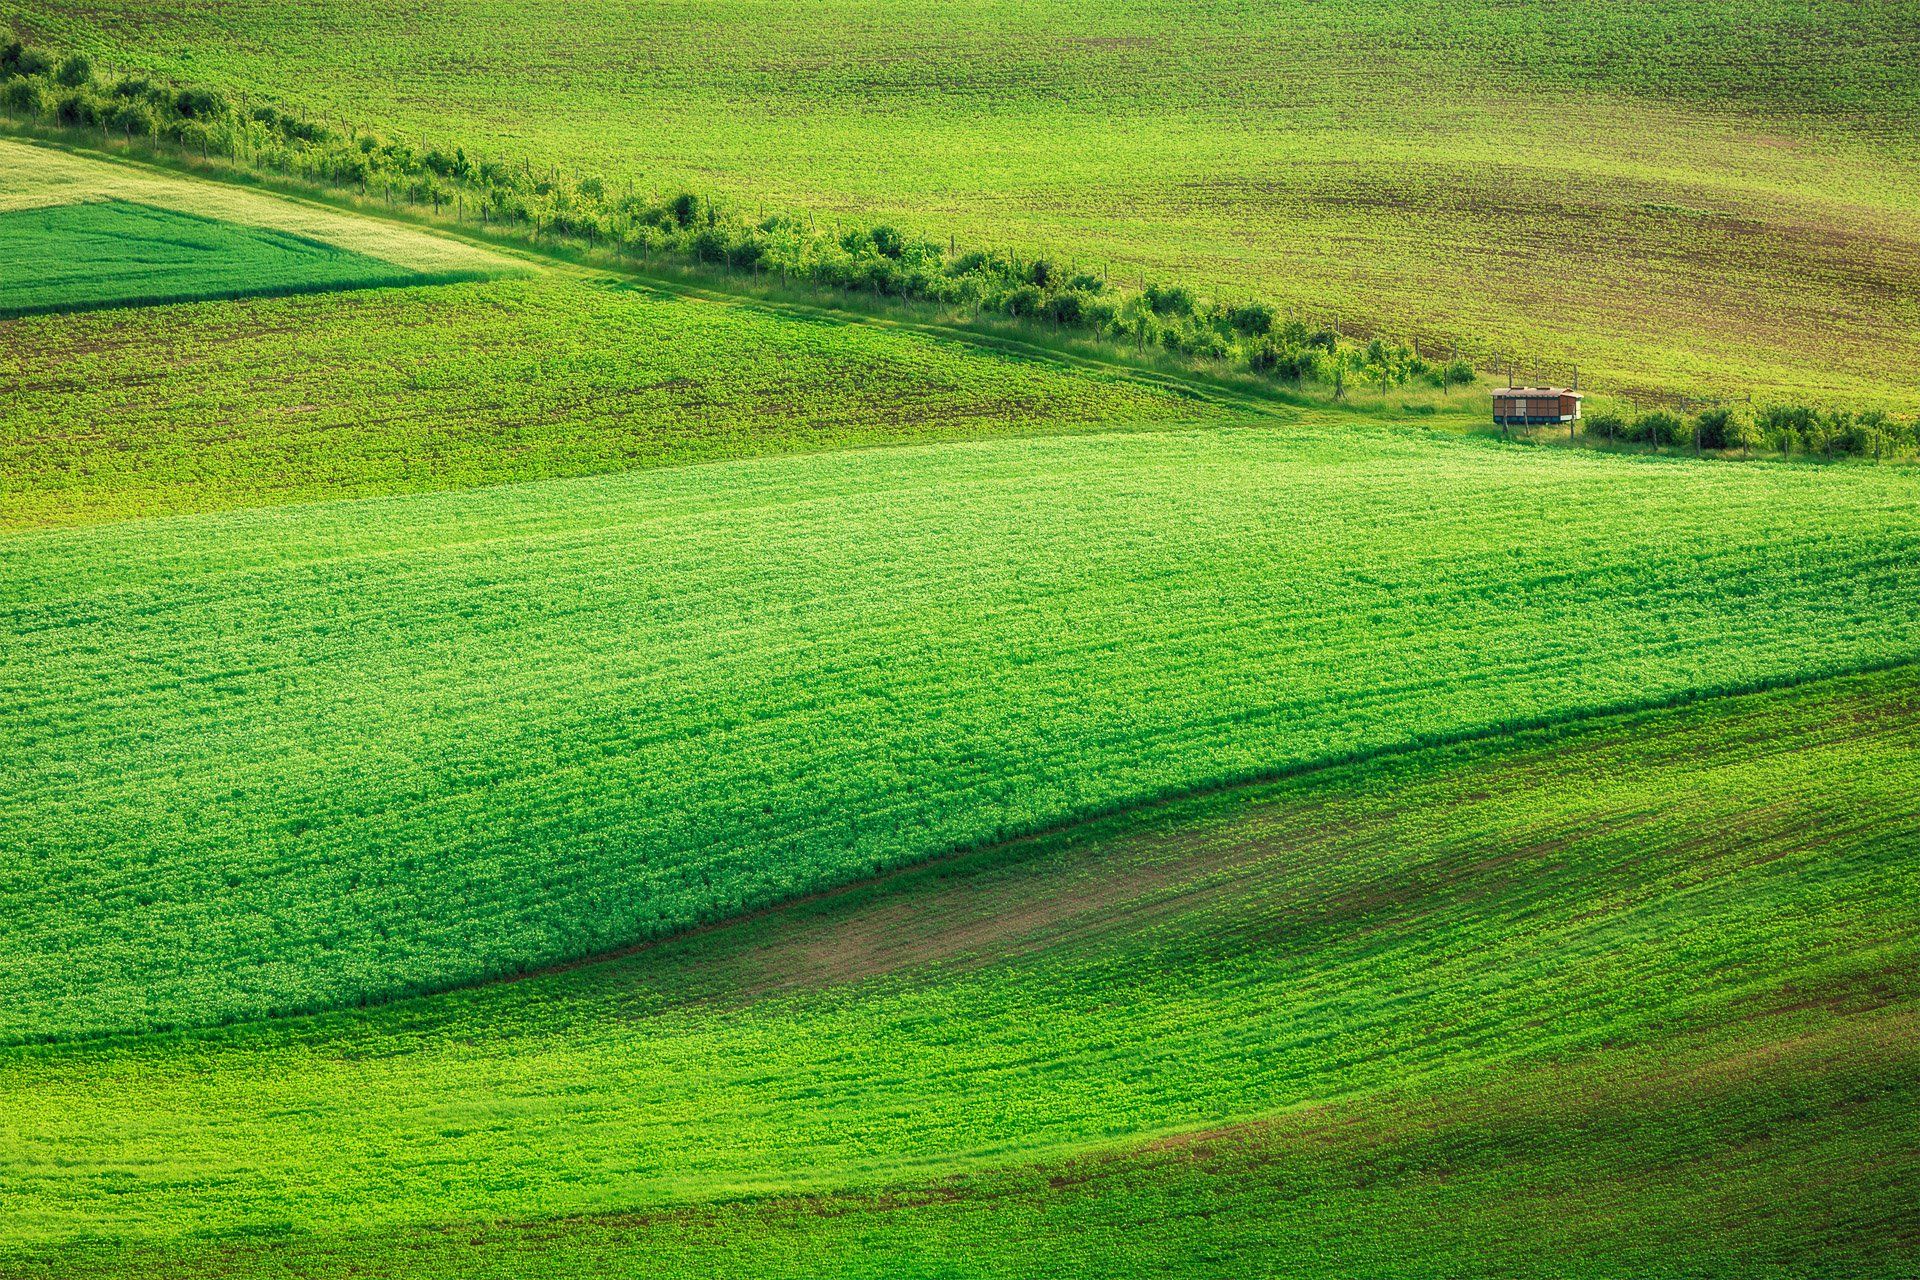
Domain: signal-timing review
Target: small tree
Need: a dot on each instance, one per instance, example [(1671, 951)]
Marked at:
[(1874, 433), (132, 120), (1711, 428), (1296, 364), (1816, 434), (206, 104), (1455, 373), (1743, 434), (1383, 368), (18, 60), (1657, 428), (1781, 425), (1254, 319), (72, 110), (21, 97), (1169, 300), (1605, 424), (74, 71), (1136, 317), (1339, 365), (1838, 432), (1025, 301)]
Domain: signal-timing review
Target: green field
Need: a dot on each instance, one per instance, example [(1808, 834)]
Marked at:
[(1600, 1001), (305, 756), (544, 770), (544, 372), (1704, 197)]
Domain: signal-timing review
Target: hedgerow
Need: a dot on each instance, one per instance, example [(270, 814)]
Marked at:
[(1789, 429)]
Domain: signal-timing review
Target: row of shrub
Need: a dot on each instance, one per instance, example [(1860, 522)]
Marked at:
[(879, 260), (1784, 428)]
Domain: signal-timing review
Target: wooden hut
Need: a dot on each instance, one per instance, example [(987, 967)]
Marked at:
[(1534, 406)]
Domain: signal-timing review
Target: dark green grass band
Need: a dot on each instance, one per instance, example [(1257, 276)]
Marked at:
[(119, 253)]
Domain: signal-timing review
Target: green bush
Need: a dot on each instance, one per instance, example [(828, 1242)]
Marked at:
[(1066, 308), (74, 72), (1656, 428), (1786, 427), (1169, 300), (1027, 300), (1713, 428), (18, 60), (1254, 319), (1606, 426)]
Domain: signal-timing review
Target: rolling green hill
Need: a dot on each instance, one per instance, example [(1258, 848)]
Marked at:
[(1631, 997), (1698, 196), (301, 756)]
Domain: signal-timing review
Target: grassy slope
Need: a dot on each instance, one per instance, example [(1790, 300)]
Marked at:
[(148, 412), (1716, 904), (83, 256), (549, 372), (274, 759), (1692, 195), (1632, 998)]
